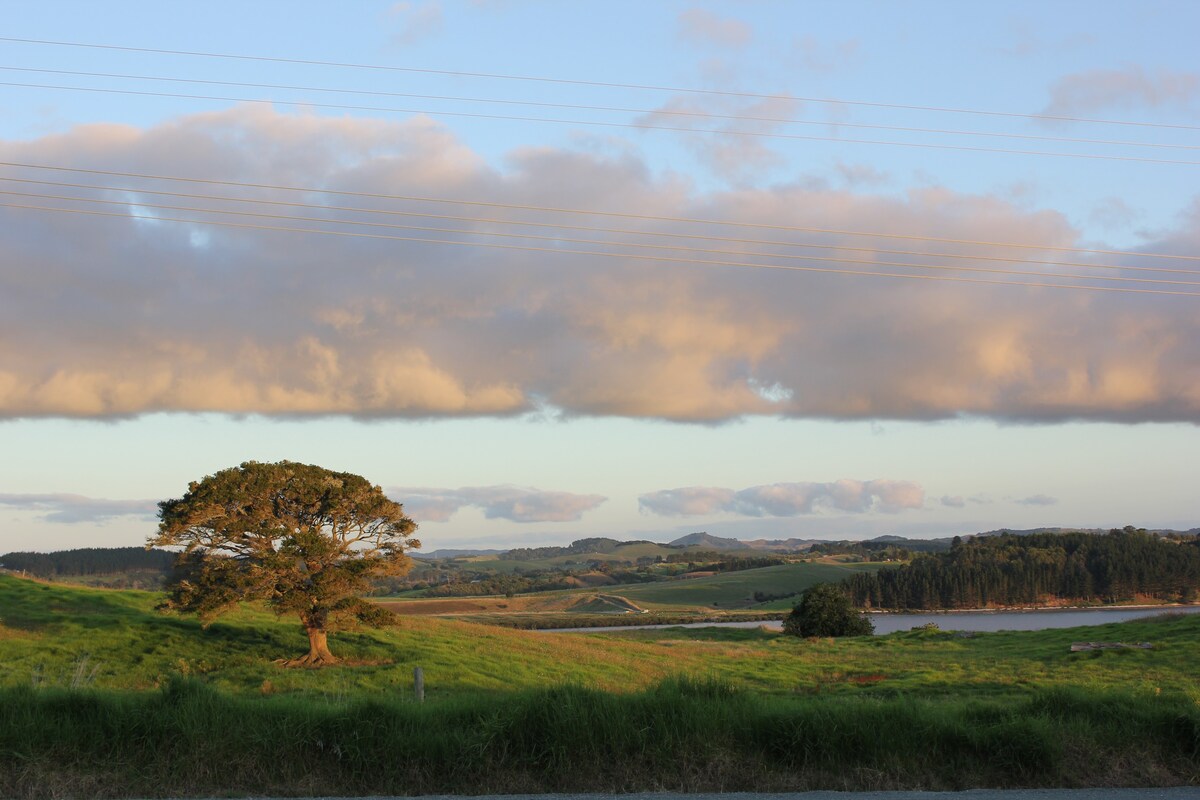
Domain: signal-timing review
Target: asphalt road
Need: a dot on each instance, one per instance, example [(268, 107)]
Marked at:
[(1177, 793)]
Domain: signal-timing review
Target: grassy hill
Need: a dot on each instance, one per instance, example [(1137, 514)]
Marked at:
[(737, 589), (102, 696), (631, 551), (57, 635), (715, 595)]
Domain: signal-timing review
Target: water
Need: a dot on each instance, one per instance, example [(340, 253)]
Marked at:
[(1031, 620)]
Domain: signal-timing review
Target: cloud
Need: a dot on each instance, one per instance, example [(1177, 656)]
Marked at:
[(818, 56), (953, 502), (1038, 500), (1128, 88), (786, 499), (689, 501), (700, 26), (1026, 39), (735, 156), (103, 318), (861, 174), (418, 21), (1113, 213), (513, 503), (73, 508)]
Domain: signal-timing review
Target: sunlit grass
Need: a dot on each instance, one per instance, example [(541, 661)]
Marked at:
[(49, 629), (100, 695)]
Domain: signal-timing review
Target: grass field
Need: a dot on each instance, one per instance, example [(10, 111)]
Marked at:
[(723, 591), (688, 735), (736, 589), (102, 696), (626, 552), (49, 631)]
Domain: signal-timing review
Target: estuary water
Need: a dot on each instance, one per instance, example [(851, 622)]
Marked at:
[(1022, 620)]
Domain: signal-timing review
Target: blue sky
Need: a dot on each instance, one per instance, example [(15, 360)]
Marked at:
[(513, 396)]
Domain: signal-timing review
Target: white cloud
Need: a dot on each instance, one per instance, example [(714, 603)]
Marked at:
[(701, 26), (688, 501), (786, 499), (816, 55), (1038, 500), (727, 141), (1131, 87), (956, 501), (73, 508), (103, 318), (514, 503), (417, 21)]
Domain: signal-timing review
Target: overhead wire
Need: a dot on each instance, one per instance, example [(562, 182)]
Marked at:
[(560, 226), (584, 107), (599, 213), (605, 254), (598, 84), (605, 242), (605, 124)]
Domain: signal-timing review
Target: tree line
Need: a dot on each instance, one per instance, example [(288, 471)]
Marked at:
[(1007, 570), (89, 561)]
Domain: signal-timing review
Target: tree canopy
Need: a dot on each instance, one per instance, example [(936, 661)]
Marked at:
[(825, 610), (304, 539), (1010, 569)]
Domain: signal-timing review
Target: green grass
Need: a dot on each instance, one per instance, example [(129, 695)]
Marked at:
[(51, 633), (736, 589), (131, 702), (682, 734), (628, 552), (721, 592)]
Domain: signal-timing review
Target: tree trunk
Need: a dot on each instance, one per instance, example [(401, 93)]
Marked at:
[(318, 651)]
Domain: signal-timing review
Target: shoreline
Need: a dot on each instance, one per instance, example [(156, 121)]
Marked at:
[(1032, 609)]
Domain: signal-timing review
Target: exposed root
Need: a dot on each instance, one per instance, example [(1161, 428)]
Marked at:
[(310, 661)]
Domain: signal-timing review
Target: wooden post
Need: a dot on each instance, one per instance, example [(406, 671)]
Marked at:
[(419, 684)]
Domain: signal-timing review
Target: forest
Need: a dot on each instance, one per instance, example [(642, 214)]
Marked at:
[(89, 561), (1012, 570)]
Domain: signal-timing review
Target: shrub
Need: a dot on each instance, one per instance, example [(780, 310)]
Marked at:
[(825, 610)]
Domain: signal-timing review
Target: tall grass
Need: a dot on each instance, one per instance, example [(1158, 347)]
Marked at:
[(682, 734)]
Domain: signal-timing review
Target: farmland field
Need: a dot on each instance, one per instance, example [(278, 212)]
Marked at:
[(736, 589), (100, 695), (714, 593), (118, 641)]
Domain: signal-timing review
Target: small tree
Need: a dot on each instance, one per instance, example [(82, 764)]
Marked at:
[(305, 539), (825, 610)]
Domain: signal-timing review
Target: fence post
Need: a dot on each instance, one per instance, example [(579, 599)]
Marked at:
[(419, 684)]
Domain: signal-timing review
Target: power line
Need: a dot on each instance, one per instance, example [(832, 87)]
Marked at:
[(597, 123), (572, 240), (627, 231), (582, 107), (611, 214), (602, 254), (599, 84)]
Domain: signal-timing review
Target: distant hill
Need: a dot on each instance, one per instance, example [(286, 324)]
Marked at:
[(596, 544), (1050, 567), (88, 561), (781, 545), (1035, 531), (451, 553), (113, 567), (708, 542)]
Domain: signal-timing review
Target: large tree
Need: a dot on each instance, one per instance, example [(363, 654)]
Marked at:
[(305, 539)]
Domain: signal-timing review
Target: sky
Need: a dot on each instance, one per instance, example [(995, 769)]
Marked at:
[(550, 270)]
